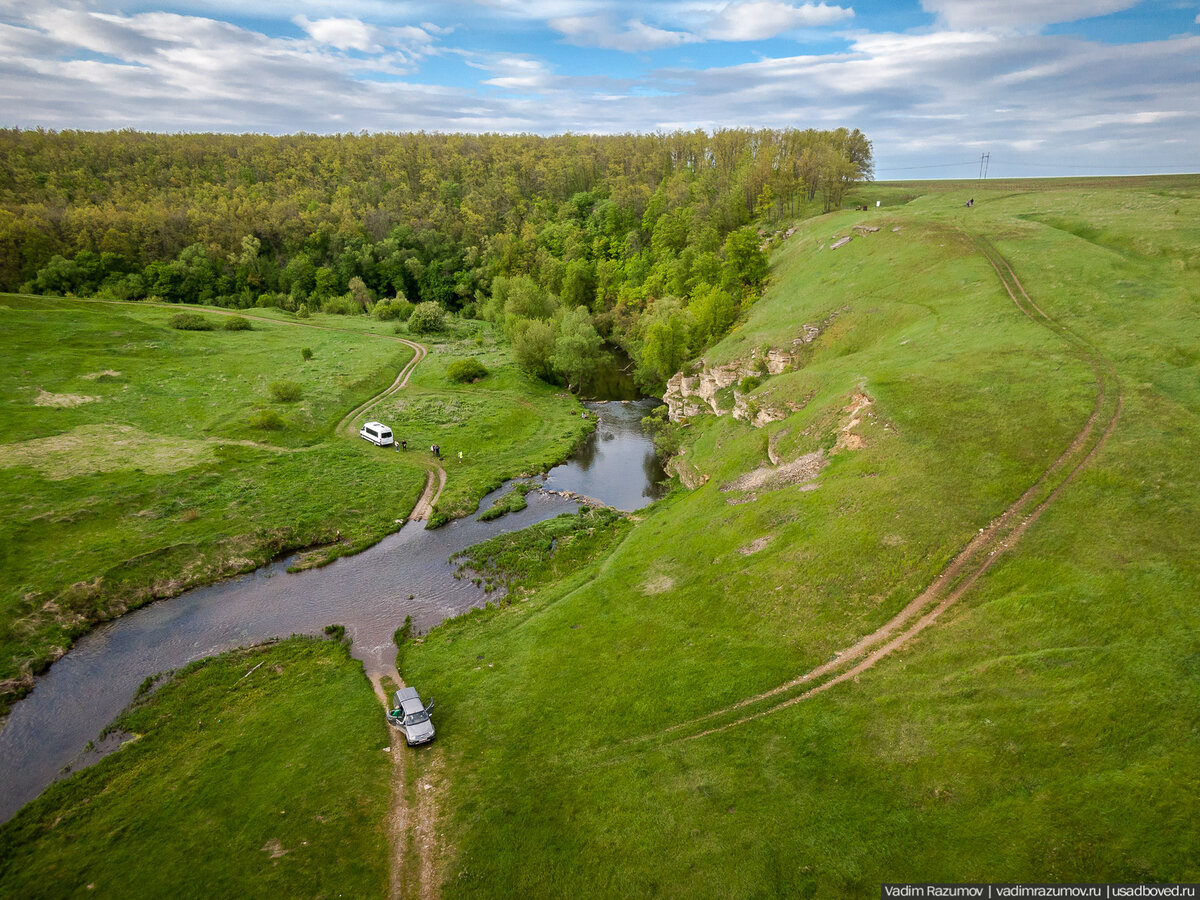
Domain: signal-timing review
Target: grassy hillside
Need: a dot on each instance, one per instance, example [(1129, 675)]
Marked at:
[(239, 784), (1042, 728), (131, 466)]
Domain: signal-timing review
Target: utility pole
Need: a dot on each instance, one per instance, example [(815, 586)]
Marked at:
[(984, 159)]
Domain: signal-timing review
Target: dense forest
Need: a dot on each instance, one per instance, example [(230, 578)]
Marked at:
[(651, 242)]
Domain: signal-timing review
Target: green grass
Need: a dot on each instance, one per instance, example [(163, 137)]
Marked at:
[(1043, 730), (508, 424), (258, 773), (512, 501), (130, 467), (546, 552)]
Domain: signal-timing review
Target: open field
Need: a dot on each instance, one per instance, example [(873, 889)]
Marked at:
[(236, 785), (130, 468), (1018, 445), (1042, 729)]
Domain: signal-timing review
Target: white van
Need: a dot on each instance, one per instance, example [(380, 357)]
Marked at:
[(377, 433)]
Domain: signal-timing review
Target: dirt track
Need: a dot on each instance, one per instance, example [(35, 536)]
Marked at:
[(966, 568)]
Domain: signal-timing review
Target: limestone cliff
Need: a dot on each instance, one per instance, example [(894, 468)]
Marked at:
[(691, 395)]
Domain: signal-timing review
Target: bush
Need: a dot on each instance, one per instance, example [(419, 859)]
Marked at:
[(302, 312), (345, 305), (237, 323), (190, 322), (397, 308), (266, 420), (427, 317), (286, 391), (466, 370), (749, 383), (306, 353)]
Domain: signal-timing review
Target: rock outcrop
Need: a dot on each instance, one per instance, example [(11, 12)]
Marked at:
[(691, 395)]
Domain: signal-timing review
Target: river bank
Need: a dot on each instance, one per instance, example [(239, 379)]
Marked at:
[(407, 573)]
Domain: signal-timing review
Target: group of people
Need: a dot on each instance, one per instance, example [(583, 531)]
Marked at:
[(435, 449)]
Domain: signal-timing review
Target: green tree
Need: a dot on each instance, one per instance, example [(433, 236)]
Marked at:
[(361, 293), (714, 310), (745, 263), (577, 347), (665, 346), (533, 347)]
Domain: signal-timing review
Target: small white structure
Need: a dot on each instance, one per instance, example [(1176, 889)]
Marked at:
[(377, 433)]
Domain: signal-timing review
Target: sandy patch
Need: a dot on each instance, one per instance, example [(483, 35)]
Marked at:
[(798, 471), (754, 546), (45, 398), (105, 375), (92, 449), (846, 439), (659, 585), (274, 848)]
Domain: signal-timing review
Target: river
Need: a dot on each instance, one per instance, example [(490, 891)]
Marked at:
[(407, 573)]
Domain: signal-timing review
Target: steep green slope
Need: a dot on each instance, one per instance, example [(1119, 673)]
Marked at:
[(1042, 728)]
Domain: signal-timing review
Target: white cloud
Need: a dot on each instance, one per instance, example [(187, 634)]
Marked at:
[(519, 73), (758, 20), (1019, 14), (922, 97), (345, 34), (633, 37)]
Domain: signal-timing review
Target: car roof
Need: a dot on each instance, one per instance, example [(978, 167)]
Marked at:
[(374, 425), (406, 693)]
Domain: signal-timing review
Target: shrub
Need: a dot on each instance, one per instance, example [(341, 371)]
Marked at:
[(237, 323), (466, 370), (344, 305), (749, 383), (286, 391), (266, 420), (427, 317), (397, 308), (187, 321), (306, 353), (302, 312)]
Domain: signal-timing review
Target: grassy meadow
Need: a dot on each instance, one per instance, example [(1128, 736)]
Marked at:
[(133, 464), (236, 785), (1044, 729)]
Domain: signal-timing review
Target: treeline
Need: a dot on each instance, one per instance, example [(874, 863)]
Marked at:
[(645, 240)]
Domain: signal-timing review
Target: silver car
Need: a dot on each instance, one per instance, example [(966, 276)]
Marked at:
[(411, 716)]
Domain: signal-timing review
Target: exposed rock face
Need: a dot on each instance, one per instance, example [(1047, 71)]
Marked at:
[(690, 395), (689, 476)]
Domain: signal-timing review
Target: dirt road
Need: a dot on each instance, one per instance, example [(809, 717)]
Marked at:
[(966, 568)]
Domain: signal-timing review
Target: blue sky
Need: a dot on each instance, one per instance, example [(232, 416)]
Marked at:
[(1046, 87)]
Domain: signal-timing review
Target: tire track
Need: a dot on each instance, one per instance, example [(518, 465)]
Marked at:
[(410, 830), (971, 562), (419, 353)]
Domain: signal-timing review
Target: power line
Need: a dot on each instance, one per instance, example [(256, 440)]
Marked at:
[(969, 162)]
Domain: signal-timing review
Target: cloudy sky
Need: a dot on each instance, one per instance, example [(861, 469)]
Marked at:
[(1046, 87)]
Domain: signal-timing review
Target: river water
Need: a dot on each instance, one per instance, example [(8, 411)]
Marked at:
[(407, 573)]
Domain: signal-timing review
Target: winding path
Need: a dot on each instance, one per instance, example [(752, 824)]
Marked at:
[(965, 569), (411, 827)]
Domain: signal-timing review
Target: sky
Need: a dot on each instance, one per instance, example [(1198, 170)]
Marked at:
[(1043, 87)]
